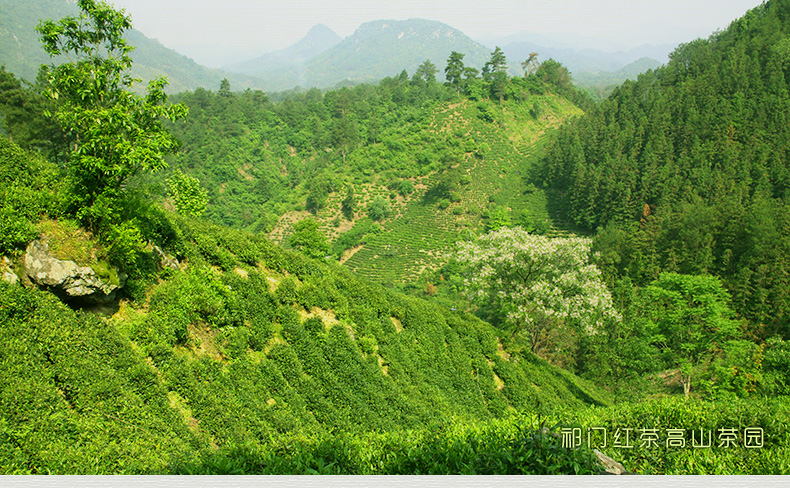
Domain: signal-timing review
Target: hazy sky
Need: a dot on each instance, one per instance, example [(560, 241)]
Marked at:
[(255, 27)]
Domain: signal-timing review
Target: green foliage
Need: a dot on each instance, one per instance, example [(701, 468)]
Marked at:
[(94, 87), (125, 244), (379, 209), (356, 236), (776, 364), (21, 108), (554, 74), (28, 189), (77, 397), (530, 65), (405, 187), (309, 239), (538, 284), (257, 360), (15, 233), (189, 197), (454, 70), (691, 320), (427, 72), (698, 423), (349, 204), (688, 161), (193, 299), (495, 74), (519, 446), (497, 218)]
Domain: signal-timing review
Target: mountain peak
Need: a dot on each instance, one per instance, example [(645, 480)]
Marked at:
[(317, 40), (320, 34), (377, 49), (319, 29)]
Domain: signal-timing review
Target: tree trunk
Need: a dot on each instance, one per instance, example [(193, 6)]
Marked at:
[(686, 385)]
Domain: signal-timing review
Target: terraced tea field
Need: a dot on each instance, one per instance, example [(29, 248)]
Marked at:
[(425, 232)]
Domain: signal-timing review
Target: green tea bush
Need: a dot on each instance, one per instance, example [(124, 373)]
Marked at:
[(28, 189), (75, 397), (714, 435)]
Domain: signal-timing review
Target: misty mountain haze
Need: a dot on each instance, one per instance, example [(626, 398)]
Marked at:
[(385, 47), (317, 40), (22, 54), (321, 58), (375, 50)]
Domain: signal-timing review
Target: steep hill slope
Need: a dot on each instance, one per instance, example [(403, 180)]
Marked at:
[(688, 167), (246, 346), (440, 167), (21, 52), (252, 360), (491, 177)]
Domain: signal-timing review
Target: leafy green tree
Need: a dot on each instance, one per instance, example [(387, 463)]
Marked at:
[(21, 109), (692, 321), (224, 88), (535, 283), (189, 198), (445, 185), (379, 208), (473, 86), (309, 239), (554, 74), (117, 134), (349, 204), (497, 63), (495, 74), (470, 73), (316, 198), (427, 71), (454, 70), (344, 135), (530, 64), (498, 217)]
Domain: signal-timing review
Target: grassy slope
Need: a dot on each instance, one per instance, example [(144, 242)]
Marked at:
[(246, 351), (256, 360), (423, 233)]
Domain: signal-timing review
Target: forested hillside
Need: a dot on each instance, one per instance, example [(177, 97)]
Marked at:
[(246, 348), (225, 353), (369, 162), (686, 169)]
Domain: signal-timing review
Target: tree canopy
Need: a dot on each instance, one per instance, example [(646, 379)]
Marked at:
[(691, 320), (536, 281), (116, 133)]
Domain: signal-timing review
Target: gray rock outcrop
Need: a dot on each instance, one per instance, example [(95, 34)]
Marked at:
[(7, 271), (610, 465), (67, 278), (164, 260)]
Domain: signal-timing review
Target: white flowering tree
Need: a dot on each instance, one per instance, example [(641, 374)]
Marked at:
[(537, 282)]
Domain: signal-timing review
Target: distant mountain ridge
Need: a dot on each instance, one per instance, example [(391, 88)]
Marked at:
[(584, 61), (578, 54), (21, 52), (375, 50), (322, 59), (318, 39)]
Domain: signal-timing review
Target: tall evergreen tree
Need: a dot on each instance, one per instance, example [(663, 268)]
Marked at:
[(454, 70)]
